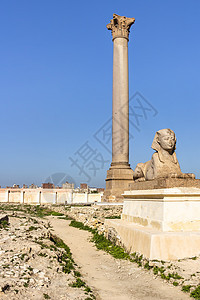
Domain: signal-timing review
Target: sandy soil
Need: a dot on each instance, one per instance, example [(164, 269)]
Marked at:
[(111, 278)]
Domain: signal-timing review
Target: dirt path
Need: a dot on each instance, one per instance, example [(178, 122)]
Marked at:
[(110, 278)]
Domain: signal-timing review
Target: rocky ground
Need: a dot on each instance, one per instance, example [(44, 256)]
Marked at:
[(92, 215), (36, 264), (184, 273)]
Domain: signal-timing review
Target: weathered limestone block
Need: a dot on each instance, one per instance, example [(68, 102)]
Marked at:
[(161, 224), (173, 209), (161, 183)]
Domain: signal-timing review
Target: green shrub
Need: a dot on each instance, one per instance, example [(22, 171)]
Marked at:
[(81, 226), (46, 296), (196, 293), (31, 228), (186, 288), (113, 217), (4, 224), (66, 218), (78, 283), (77, 274)]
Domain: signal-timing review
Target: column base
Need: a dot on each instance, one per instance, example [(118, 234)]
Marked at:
[(119, 176)]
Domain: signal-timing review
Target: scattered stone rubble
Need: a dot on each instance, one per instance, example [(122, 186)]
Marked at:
[(29, 263), (93, 216)]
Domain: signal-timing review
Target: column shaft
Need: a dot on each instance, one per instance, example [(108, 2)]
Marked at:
[(120, 127), (120, 173)]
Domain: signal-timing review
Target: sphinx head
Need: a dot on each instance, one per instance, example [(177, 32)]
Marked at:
[(164, 139)]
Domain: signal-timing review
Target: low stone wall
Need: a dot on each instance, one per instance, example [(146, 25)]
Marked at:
[(46, 196)]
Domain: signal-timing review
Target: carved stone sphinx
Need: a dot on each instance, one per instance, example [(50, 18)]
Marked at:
[(164, 163)]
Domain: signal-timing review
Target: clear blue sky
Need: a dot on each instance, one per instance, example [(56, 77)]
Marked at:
[(56, 84)]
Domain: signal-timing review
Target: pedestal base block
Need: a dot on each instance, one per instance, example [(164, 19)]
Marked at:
[(155, 244), (164, 183), (161, 224), (117, 181)]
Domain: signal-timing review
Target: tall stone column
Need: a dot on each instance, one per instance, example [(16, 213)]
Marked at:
[(120, 174)]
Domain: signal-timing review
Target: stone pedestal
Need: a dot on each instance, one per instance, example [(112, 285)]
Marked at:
[(118, 179), (120, 174), (161, 224), (162, 183)]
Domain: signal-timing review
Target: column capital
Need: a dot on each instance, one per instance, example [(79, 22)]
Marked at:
[(120, 26)]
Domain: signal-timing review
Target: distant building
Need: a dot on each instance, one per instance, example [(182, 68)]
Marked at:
[(33, 186), (68, 185), (15, 186), (96, 190), (24, 186), (83, 186), (100, 190), (48, 185), (93, 190)]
